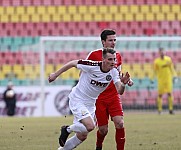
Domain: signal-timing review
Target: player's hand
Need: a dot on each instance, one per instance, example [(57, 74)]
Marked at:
[(125, 78), (130, 82), (52, 77)]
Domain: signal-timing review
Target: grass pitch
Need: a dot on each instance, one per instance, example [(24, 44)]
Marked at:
[(144, 131)]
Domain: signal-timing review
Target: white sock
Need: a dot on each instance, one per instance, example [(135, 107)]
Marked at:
[(72, 143), (77, 127)]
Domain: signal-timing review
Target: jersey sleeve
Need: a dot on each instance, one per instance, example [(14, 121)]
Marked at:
[(119, 59), (115, 75)]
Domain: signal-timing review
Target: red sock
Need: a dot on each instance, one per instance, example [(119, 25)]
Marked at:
[(100, 139), (120, 138)]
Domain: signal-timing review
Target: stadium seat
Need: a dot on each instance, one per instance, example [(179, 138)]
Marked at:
[(20, 10), (155, 9)]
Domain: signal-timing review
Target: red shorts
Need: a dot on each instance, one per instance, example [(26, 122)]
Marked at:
[(109, 107)]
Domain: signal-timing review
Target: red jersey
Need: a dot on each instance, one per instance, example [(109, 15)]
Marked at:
[(110, 91)]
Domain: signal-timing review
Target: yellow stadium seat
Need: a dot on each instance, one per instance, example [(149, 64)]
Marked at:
[(178, 17), (113, 9), (62, 10), (176, 8), (58, 66), (139, 17), (51, 10), (49, 68), (118, 17), (87, 17), (165, 8), (155, 9), (67, 75), (7, 68), (41, 10), (2, 10), (15, 18), (25, 18), (148, 69), (124, 9), (72, 9), (129, 17), (46, 18), (145, 8), (82, 9), (20, 10), (66, 17), (150, 17), (134, 9), (103, 9), (170, 16), (93, 9), (5, 18), (98, 17), (160, 17), (108, 17), (37, 70), (2, 75), (10, 10), (126, 67), (31, 10), (35, 18), (77, 17), (18, 71), (56, 17)]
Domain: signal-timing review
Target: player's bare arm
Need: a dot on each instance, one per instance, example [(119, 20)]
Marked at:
[(120, 86), (66, 67)]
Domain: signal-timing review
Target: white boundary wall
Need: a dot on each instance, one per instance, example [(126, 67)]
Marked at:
[(29, 103)]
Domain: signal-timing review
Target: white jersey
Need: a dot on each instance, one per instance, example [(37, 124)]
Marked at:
[(92, 81)]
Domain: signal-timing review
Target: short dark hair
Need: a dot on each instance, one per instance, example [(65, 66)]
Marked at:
[(107, 50), (107, 32)]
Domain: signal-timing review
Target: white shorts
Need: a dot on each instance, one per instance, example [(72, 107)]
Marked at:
[(80, 110)]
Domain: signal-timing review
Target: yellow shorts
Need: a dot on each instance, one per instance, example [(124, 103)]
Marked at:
[(165, 87)]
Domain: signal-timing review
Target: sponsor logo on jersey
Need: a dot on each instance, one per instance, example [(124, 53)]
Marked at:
[(97, 83)]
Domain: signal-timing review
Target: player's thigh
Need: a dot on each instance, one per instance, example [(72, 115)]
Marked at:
[(80, 112), (115, 107), (101, 112)]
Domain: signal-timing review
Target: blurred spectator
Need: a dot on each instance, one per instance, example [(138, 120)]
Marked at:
[(165, 72), (9, 97)]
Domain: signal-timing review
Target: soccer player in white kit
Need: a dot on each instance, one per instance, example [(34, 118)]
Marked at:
[(94, 78)]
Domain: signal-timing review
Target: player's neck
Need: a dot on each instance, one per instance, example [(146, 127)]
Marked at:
[(104, 68)]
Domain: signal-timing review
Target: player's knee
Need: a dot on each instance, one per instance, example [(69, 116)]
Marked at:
[(82, 136), (103, 131), (90, 127), (119, 124)]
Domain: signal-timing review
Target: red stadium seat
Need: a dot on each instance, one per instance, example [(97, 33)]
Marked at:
[(150, 2), (57, 2), (47, 2)]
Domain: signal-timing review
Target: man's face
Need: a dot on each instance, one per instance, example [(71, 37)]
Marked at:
[(110, 41), (161, 52), (109, 61)]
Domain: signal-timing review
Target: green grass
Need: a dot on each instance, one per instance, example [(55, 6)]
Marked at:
[(144, 131)]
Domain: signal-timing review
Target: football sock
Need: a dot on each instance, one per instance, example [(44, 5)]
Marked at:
[(159, 104), (120, 138), (71, 143), (100, 139), (170, 102), (77, 127)]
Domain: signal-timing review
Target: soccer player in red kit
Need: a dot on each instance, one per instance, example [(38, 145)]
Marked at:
[(108, 102)]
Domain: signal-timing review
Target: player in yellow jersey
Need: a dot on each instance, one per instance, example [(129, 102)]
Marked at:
[(164, 70)]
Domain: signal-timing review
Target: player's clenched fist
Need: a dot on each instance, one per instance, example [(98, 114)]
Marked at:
[(52, 77)]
